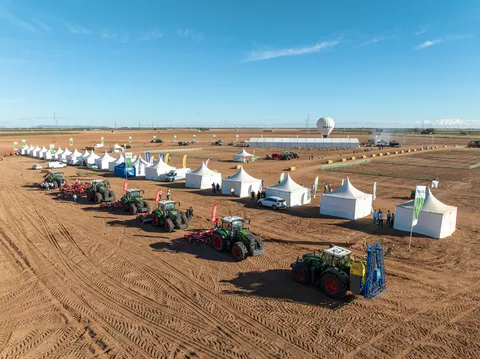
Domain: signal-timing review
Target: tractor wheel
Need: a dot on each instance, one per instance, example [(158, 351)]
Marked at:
[(274, 207), (133, 209), (98, 197), (146, 206), (89, 195), (155, 219), (217, 242), (301, 274), (333, 286), (184, 218), (168, 225), (239, 251)]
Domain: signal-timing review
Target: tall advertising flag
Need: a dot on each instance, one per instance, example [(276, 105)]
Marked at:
[(125, 186), (154, 139), (52, 149), (128, 160), (15, 145), (167, 158), (175, 137), (24, 143), (214, 137), (147, 157), (194, 137), (185, 161), (420, 194), (162, 157), (236, 137), (158, 197), (282, 177), (102, 140), (374, 191), (214, 212), (315, 187), (71, 141), (206, 162), (130, 139)]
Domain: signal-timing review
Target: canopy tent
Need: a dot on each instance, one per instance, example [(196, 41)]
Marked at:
[(64, 155), (58, 153), (121, 171), (242, 156), (103, 162), (48, 155), (346, 202), (90, 159), (158, 171), (29, 151), (36, 152), (290, 191), (242, 183), (116, 148), (42, 152), (85, 154), (436, 219), (74, 158), (24, 150), (202, 177), (116, 162), (140, 166), (304, 142)]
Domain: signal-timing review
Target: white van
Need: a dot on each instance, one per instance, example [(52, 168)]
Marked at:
[(56, 164), (176, 175)]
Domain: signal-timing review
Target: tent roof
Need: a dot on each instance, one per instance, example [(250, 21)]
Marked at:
[(75, 153), (59, 151), (160, 164), (346, 191), (431, 204), (106, 157), (31, 148), (119, 160), (140, 160), (287, 185), (243, 153), (86, 153), (242, 176), (43, 149), (203, 170), (37, 149), (91, 155), (67, 152)]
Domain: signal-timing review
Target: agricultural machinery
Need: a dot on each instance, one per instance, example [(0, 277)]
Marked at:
[(288, 155), (183, 143), (169, 216), (335, 271), (474, 144), (231, 235), (133, 202), (156, 140), (53, 177), (99, 191)]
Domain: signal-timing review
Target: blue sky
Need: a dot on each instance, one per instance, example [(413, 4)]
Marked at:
[(253, 63)]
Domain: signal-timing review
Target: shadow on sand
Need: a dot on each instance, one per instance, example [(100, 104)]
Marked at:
[(202, 251), (279, 284)]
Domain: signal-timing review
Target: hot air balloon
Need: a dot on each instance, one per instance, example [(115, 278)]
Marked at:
[(325, 125)]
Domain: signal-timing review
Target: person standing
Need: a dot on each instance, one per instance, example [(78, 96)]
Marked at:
[(389, 217), (169, 194), (380, 218), (325, 188), (213, 187), (374, 213), (74, 198), (253, 195), (330, 187), (217, 187), (392, 220)]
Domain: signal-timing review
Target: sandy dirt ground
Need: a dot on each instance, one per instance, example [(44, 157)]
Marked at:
[(78, 281)]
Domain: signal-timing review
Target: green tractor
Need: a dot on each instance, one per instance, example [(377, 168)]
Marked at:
[(133, 202), (99, 191), (288, 155), (335, 271), (232, 236), (54, 177), (169, 216)]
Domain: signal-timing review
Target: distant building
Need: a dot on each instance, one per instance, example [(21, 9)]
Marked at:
[(304, 142)]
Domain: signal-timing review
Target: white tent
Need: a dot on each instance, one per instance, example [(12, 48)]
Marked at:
[(64, 155), (346, 202), (42, 152), (242, 183), (90, 159), (111, 165), (24, 150), (29, 150), (48, 155), (103, 162), (158, 171), (290, 191), (57, 154), (116, 148), (140, 166), (73, 158), (202, 177), (242, 156), (85, 154), (36, 152), (436, 220)]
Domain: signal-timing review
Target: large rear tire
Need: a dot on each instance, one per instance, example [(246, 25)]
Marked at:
[(217, 242), (239, 251), (133, 209), (333, 286), (155, 219), (168, 225), (98, 198), (146, 207), (301, 273), (89, 195)]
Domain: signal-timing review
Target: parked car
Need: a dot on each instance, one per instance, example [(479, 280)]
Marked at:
[(92, 166), (176, 175), (56, 164), (36, 167), (272, 202)]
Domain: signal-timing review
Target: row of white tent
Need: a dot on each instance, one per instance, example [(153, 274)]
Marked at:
[(436, 219)]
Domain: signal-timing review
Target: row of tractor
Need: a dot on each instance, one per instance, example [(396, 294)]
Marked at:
[(286, 156)]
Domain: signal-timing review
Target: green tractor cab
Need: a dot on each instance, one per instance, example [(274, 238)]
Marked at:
[(99, 191), (169, 216), (133, 202), (54, 177), (335, 271), (231, 235)]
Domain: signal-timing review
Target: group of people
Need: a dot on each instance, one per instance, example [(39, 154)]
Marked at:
[(260, 194), (215, 187), (327, 188), (379, 217), (189, 213), (47, 185)]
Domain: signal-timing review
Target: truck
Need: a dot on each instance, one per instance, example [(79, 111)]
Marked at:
[(177, 174)]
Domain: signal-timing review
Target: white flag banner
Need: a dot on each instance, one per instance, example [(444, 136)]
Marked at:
[(374, 191), (343, 181), (206, 162), (435, 184), (420, 193)]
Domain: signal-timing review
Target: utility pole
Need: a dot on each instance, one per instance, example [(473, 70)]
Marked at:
[(115, 125)]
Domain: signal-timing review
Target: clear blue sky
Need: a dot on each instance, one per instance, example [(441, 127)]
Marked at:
[(256, 63)]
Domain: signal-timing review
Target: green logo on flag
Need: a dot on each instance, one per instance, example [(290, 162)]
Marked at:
[(102, 140), (128, 160), (130, 139), (71, 141), (15, 145), (420, 194)]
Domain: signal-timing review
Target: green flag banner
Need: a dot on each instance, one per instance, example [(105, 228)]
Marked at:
[(15, 145), (420, 194), (52, 149), (154, 138), (214, 137), (128, 160), (24, 143), (130, 139), (71, 141), (175, 137), (102, 140)]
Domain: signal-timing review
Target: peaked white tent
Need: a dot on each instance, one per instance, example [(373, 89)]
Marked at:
[(436, 219), (242, 156), (23, 150), (48, 155), (158, 171), (103, 162), (242, 183), (29, 151), (202, 177), (115, 162), (140, 166), (290, 191), (64, 155), (58, 153), (85, 154), (42, 152), (36, 152), (346, 202), (116, 148), (90, 159), (73, 158)]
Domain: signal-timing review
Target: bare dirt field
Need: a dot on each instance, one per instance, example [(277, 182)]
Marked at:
[(78, 281)]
